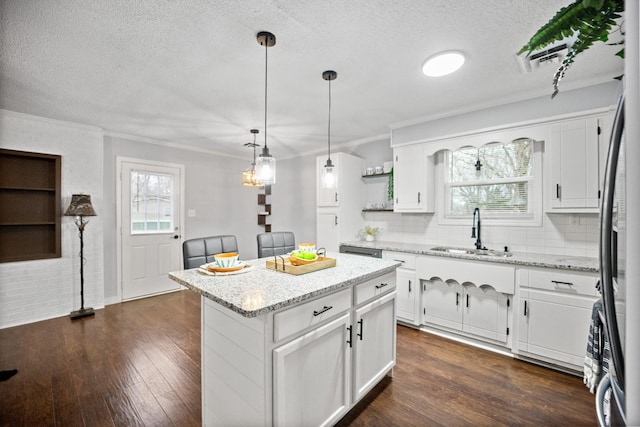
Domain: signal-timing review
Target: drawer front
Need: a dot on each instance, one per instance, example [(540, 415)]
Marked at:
[(296, 319), (375, 287), (408, 260), (555, 280)]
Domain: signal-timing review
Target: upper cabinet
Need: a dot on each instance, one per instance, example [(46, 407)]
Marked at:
[(576, 154), (413, 179), (338, 212), (347, 171)]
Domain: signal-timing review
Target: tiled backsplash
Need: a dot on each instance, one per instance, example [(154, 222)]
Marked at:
[(560, 234)]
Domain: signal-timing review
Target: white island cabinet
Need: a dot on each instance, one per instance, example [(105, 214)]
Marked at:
[(286, 350)]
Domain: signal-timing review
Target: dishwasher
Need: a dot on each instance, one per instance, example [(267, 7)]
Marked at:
[(357, 250)]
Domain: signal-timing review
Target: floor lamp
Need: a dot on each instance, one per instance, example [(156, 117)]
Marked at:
[(80, 207)]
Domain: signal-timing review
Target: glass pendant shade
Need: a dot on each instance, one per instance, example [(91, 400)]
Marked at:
[(266, 168), (249, 175), (328, 175)]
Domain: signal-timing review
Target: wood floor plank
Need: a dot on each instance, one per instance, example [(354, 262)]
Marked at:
[(138, 364)]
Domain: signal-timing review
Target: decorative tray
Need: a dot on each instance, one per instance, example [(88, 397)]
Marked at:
[(282, 263)]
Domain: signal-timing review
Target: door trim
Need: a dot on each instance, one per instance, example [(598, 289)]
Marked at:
[(119, 161)]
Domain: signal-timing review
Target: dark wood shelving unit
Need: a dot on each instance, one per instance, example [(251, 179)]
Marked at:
[(264, 215), (30, 215)]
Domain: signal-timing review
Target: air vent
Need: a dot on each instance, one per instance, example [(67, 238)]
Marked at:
[(540, 59)]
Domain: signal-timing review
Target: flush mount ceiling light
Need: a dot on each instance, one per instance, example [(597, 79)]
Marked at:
[(443, 63), (266, 164), (328, 178), (249, 177)]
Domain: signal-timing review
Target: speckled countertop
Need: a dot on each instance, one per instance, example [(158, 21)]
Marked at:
[(526, 259), (262, 290)]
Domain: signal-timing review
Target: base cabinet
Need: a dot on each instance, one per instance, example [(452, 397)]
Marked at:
[(407, 287), (469, 297), (305, 365), (554, 314), (481, 312), (317, 396), (374, 343)]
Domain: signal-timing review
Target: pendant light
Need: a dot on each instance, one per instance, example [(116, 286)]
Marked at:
[(265, 163), (328, 175), (249, 178)]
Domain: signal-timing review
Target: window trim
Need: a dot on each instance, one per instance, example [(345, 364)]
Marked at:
[(533, 219)]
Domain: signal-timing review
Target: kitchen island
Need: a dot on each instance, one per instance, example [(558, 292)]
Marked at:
[(280, 349)]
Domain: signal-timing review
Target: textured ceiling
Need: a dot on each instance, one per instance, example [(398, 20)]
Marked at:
[(191, 72)]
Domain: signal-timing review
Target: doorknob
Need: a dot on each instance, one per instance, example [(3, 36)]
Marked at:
[(177, 236)]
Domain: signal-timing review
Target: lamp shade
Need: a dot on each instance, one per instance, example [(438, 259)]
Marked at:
[(80, 206)]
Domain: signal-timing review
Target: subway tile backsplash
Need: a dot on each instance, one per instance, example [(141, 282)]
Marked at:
[(560, 234)]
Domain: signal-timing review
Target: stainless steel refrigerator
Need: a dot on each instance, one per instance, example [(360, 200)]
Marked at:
[(610, 397)]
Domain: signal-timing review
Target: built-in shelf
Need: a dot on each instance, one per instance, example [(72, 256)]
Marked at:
[(30, 215)]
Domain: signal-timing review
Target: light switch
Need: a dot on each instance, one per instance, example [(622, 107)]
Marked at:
[(191, 213)]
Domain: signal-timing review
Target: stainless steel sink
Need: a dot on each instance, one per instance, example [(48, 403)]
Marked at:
[(463, 251)]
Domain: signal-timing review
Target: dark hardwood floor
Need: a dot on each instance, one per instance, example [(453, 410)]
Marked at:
[(138, 364)]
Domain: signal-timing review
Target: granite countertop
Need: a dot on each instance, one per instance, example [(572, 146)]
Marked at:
[(525, 259), (262, 290)]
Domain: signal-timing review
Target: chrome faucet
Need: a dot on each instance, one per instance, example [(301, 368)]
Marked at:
[(476, 224)]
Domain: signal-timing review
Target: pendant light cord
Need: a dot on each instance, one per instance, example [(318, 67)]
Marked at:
[(266, 50), (329, 125)]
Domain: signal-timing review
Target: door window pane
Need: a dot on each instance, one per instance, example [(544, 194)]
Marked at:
[(151, 203)]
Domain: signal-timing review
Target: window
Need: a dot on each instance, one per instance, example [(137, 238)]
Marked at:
[(151, 201), (498, 178)]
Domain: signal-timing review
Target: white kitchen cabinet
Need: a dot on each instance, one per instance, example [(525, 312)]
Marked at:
[(347, 170), (477, 311), (576, 154), (338, 213), (311, 380), (407, 288), (467, 297), (554, 314), (324, 370), (413, 179), (374, 343)]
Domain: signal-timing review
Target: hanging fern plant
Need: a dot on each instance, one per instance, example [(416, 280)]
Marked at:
[(589, 20)]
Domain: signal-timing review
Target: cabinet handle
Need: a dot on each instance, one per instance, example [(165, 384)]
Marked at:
[(418, 197), (558, 191), (325, 308), (399, 260), (350, 336), (381, 285), (526, 311), (361, 323), (467, 300), (335, 220), (559, 282), (409, 286), (457, 298), (336, 197)]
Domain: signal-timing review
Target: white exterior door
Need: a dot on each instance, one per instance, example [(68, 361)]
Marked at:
[(149, 222)]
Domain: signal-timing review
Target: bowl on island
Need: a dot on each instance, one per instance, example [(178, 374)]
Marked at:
[(226, 259)]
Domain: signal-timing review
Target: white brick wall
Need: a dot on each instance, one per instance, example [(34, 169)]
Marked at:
[(36, 290)]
